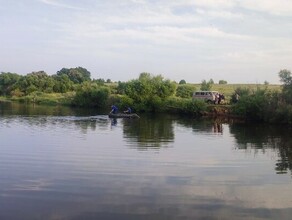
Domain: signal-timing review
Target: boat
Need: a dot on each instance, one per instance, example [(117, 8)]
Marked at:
[(123, 115)]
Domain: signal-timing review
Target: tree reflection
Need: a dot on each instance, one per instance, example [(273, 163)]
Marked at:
[(263, 137), (15, 108), (149, 132), (205, 125)]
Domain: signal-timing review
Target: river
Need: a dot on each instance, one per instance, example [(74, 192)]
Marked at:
[(62, 163)]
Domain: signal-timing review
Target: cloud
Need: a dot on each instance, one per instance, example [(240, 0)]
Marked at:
[(278, 7), (211, 3), (57, 3), (224, 14)]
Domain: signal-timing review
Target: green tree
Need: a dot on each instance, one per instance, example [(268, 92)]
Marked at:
[(222, 82), (121, 87), (35, 81), (185, 91), (286, 79), (76, 75), (149, 91), (62, 83), (182, 82), (91, 95), (7, 82), (206, 86)]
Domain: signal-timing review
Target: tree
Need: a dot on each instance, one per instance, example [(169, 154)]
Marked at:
[(35, 81), (205, 86), (222, 82), (62, 83), (182, 82), (76, 75), (148, 91), (286, 78), (7, 82), (185, 91), (90, 95)]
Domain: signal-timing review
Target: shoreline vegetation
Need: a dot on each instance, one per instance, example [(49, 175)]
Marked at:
[(151, 93)]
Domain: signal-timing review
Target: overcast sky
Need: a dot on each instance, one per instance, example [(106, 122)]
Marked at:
[(240, 41)]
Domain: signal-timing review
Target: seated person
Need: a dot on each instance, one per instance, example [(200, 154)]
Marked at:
[(128, 111), (114, 109)]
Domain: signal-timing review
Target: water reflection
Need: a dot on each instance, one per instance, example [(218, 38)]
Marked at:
[(15, 108), (149, 132), (88, 167), (262, 137), (203, 125)]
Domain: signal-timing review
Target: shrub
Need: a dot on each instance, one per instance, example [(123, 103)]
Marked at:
[(186, 106), (91, 95), (254, 106), (185, 91)]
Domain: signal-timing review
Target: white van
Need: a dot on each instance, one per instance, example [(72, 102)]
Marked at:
[(208, 96)]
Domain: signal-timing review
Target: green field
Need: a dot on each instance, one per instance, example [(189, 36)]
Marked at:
[(228, 89)]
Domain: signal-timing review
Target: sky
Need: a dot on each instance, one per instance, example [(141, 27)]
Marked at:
[(240, 41)]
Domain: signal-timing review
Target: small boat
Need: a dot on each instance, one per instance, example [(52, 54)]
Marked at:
[(123, 115)]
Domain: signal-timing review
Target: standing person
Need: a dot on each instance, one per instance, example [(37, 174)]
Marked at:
[(221, 97), (128, 111), (216, 98), (114, 109), (236, 97)]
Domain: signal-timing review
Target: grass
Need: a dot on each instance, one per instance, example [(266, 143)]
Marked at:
[(46, 98), (228, 89)]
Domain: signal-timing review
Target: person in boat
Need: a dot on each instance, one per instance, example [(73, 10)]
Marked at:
[(114, 109), (128, 110)]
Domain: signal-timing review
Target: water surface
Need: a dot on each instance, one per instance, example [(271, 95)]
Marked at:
[(62, 163)]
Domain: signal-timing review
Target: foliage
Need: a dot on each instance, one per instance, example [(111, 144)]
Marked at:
[(206, 86), (99, 81), (76, 75), (283, 114), (149, 91), (7, 82), (286, 78), (185, 91), (35, 81), (121, 87), (185, 106), (222, 82), (62, 83), (241, 92), (17, 93), (125, 102), (90, 95), (182, 82), (254, 105)]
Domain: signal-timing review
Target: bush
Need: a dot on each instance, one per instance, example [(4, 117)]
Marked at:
[(186, 106), (185, 91), (283, 114), (255, 106), (91, 96)]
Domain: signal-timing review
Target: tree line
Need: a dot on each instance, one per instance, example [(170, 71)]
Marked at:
[(148, 93)]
